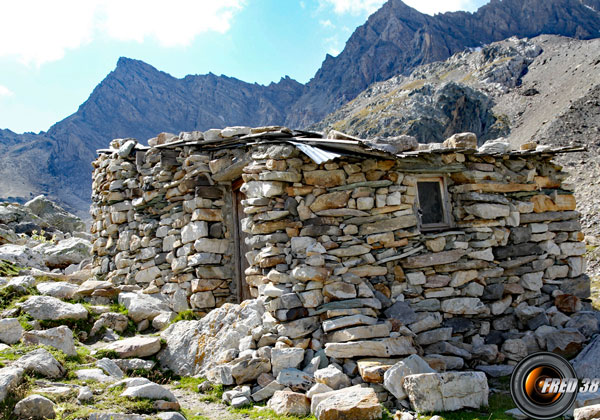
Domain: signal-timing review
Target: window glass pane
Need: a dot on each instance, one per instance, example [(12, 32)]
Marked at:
[(430, 201)]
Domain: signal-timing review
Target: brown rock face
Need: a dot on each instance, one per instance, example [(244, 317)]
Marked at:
[(289, 403), (334, 200), (350, 404), (567, 303)]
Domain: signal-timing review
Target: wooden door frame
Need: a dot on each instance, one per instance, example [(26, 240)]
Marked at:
[(242, 288)]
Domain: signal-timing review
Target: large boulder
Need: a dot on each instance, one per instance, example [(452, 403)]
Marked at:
[(151, 391), (42, 362), (393, 379), (10, 377), (66, 252), (22, 256), (332, 377), (10, 330), (54, 215), (48, 308), (449, 391), (60, 338), (285, 358), (141, 306), (288, 403), (35, 407), (57, 289), (567, 342), (135, 347), (191, 345), (354, 403)]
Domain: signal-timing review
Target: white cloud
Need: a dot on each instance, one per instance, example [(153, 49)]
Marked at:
[(40, 31), (327, 24), (4, 91), (355, 7), (333, 45), (425, 6)]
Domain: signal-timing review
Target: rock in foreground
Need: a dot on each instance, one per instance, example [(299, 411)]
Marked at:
[(353, 403), (449, 391)]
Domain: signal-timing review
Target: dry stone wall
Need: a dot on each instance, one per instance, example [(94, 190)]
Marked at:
[(361, 280), (337, 254), (164, 224)]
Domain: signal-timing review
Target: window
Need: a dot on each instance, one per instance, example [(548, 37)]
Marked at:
[(432, 202)]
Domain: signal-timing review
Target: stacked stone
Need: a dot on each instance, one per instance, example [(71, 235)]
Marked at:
[(351, 283), (346, 269), (160, 224)]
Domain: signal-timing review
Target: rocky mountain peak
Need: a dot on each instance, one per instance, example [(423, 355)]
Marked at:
[(397, 38)]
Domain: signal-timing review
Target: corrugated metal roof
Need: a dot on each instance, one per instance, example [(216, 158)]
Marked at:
[(316, 154)]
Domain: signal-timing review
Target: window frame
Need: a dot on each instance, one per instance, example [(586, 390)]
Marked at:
[(448, 222)]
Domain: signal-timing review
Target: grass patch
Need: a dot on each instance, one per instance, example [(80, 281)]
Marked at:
[(108, 353), (8, 269), (155, 374), (260, 412), (190, 383), (78, 326), (215, 395), (118, 308), (9, 296), (190, 416), (188, 315), (110, 400)]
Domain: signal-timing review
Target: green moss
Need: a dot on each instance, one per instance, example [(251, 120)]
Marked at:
[(108, 353)]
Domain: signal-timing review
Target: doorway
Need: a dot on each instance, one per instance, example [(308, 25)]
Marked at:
[(240, 247)]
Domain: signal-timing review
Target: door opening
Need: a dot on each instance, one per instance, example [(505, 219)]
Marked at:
[(240, 247)]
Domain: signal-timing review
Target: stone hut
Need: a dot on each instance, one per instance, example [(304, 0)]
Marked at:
[(362, 248)]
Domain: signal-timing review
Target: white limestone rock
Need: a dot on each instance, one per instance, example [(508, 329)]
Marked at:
[(43, 363), (35, 407), (53, 309), (11, 330), (60, 338), (393, 379), (449, 391)]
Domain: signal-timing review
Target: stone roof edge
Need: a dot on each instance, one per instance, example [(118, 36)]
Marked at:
[(346, 146)]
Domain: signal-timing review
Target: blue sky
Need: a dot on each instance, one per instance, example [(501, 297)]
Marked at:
[(53, 53)]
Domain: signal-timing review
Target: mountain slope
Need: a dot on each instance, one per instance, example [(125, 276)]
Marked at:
[(523, 89), (136, 100), (397, 38)]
